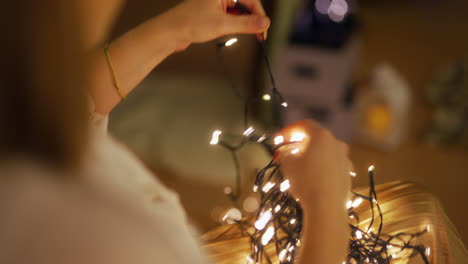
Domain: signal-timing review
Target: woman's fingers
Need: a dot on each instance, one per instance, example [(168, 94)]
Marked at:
[(247, 24)]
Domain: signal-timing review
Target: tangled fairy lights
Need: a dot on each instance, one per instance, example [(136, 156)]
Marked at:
[(278, 220)]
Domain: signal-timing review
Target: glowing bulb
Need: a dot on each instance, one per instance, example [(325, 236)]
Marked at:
[(263, 220), (266, 97), (215, 137), (295, 151), (230, 42), (228, 190), (282, 255), (351, 216), (261, 139), (267, 187), (358, 234), (255, 188), (371, 168), (284, 186), (268, 235), (278, 140), (352, 174), (248, 131), (293, 221), (232, 216), (277, 208), (284, 104), (297, 137), (356, 202), (349, 204), (428, 251)]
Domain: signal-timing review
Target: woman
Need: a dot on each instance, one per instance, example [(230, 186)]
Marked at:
[(87, 199)]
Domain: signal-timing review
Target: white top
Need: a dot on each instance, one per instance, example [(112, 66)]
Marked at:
[(126, 216)]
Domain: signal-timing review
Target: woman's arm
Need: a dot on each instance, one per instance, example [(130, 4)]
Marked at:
[(136, 53), (319, 177)]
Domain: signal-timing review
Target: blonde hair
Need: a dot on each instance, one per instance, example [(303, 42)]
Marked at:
[(42, 99)]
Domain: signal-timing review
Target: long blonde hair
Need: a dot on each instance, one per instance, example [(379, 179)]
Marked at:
[(42, 100)]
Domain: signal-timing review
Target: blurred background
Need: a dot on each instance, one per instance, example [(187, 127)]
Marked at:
[(388, 77)]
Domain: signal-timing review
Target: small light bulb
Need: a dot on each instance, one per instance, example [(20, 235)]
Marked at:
[(357, 202), (277, 208), (278, 140), (358, 234), (284, 104), (248, 131), (230, 42), (228, 190), (282, 255), (295, 151), (352, 174), (266, 97), (349, 204), (267, 187), (215, 137), (255, 188), (428, 251), (263, 220), (269, 233), (261, 139), (297, 137), (371, 168), (292, 222), (285, 186)]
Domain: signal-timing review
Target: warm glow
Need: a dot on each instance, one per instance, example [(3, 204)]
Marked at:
[(263, 220), (248, 131), (349, 204), (277, 208), (284, 186), (352, 174), (428, 251), (297, 137), (358, 234), (267, 187), (268, 235), (230, 42), (266, 97), (357, 202), (293, 221), (215, 137), (295, 151), (284, 104), (278, 140), (282, 255), (261, 139), (371, 168)]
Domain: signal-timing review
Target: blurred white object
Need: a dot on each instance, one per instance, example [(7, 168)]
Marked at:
[(382, 109)]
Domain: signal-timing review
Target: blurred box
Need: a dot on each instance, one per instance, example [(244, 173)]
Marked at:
[(316, 83)]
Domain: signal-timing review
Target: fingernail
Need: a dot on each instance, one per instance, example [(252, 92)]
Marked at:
[(263, 22)]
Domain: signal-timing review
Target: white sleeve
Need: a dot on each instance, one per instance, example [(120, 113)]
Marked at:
[(48, 222)]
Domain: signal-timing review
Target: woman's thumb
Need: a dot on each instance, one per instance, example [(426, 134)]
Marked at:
[(246, 24)]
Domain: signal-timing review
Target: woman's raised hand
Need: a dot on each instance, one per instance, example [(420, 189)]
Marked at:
[(205, 20), (316, 164)]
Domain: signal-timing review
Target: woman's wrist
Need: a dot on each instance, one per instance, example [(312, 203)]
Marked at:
[(176, 24)]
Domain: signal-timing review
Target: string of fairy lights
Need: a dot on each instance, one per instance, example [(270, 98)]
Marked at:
[(278, 220)]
